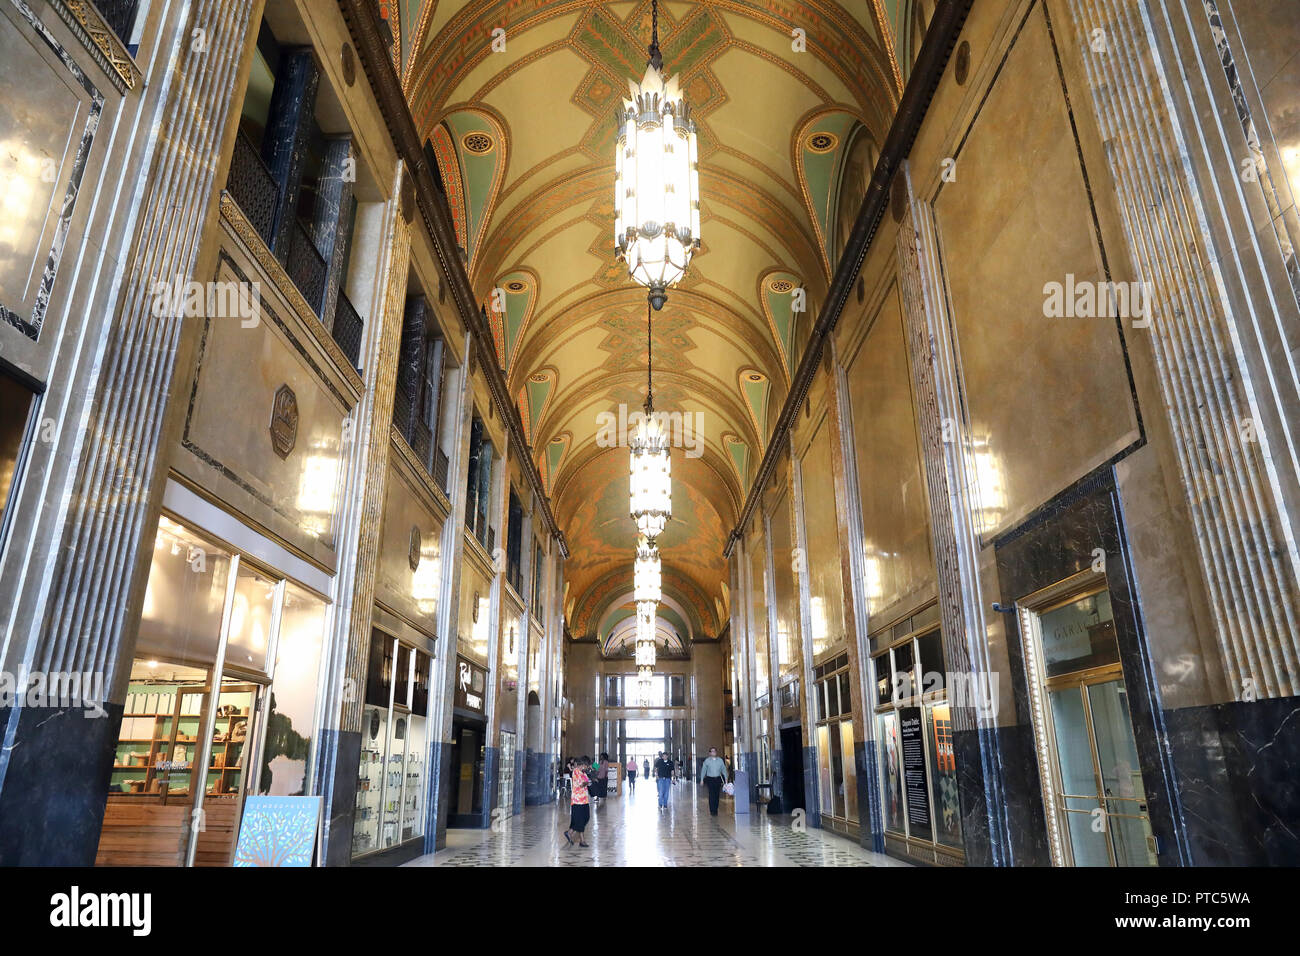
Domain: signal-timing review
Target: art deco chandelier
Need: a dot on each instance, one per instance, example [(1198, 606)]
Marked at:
[(656, 231)]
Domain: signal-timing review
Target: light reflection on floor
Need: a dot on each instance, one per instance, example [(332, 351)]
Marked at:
[(632, 831)]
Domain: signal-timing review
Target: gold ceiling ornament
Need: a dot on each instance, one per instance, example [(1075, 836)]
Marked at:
[(656, 178), (821, 142), (477, 142)]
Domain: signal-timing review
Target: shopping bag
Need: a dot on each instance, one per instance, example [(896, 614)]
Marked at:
[(729, 788)]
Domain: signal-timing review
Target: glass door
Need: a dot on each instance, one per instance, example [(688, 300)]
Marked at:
[(1093, 781)]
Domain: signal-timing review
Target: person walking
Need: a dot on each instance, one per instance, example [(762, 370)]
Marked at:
[(663, 778), (579, 802), (713, 773), (645, 767), (600, 779), (631, 775)]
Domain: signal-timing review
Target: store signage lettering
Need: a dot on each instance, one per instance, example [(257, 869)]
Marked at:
[(912, 738), (475, 701)]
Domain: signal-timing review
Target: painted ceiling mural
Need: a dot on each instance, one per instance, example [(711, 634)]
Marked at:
[(517, 100)]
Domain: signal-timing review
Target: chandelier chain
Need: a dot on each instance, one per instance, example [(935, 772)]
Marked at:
[(656, 58), (649, 363)]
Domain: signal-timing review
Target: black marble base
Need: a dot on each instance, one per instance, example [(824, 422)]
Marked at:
[(343, 748), (435, 828), (538, 787), (1237, 768), (811, 791), (56, 767)]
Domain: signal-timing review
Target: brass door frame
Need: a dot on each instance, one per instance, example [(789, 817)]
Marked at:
[(1030, 610)]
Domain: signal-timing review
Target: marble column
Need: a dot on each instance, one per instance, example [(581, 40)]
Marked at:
[(1216, 305), (410, 367), (935, 379), (56, 761), (284, 143), (332, 219), (360, 523)]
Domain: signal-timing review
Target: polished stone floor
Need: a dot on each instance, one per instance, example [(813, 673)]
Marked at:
[(632, 831)]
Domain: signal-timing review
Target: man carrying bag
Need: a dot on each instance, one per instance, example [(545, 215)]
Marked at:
[(714, 774)]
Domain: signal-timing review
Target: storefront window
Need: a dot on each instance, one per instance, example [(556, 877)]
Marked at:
[(292, 710), (193, 716), (391, 780), (835, 751), (506, 792), (918, 769)]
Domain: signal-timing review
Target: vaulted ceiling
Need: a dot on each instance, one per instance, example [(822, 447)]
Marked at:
[(517, 99)]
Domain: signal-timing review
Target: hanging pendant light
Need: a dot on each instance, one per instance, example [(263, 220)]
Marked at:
[(645, 648), (651, 479), (656, 178), (648, 575)]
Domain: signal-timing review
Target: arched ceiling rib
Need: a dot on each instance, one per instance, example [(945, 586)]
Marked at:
[(535, 205)]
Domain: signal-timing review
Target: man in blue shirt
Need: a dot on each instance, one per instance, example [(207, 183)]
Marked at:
[(714, 774)]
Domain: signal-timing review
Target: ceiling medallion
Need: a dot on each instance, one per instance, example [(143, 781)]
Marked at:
[(756, 376), (780, 286), (413, 555), (515, 286), (539, 378), (821, 142), (284, 421), (477, 142)]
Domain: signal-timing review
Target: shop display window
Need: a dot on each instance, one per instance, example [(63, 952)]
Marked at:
[(191, 726), (832, 695), (391, 779), (914, 747)]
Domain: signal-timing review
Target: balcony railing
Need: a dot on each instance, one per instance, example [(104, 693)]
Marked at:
[(307, 267), (120, 15), (253, 187), (440, 464), (404, 411), (347, 330), (421, 442)]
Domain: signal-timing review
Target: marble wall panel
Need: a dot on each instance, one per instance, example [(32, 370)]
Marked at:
[(825, 574), (227, 432), (412, 534), (1014, 220), (472, 636), (898, 556), (786, 595), (49, 113), (756, 553)]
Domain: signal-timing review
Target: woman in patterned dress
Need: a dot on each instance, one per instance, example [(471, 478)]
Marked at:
[(580, 802)]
